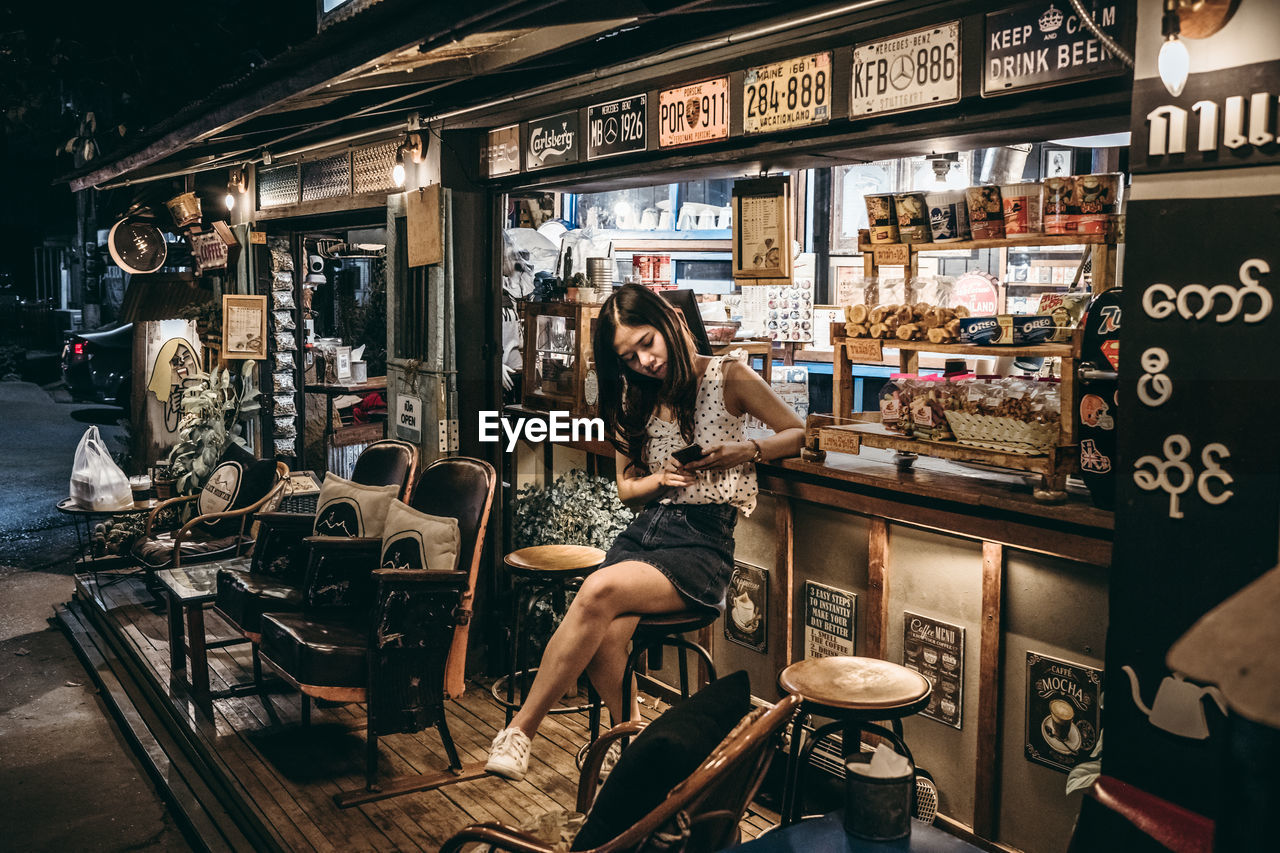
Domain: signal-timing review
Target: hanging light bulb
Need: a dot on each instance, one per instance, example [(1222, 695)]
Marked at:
[(1174, 62), (237, 184), (397, 172), (409, 151), (230, 200)]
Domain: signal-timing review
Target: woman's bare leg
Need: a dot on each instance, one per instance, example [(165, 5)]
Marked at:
[(606, 594), (606, 668)]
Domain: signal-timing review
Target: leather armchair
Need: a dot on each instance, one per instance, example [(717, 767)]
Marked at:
[(274, 581), (394, 639)]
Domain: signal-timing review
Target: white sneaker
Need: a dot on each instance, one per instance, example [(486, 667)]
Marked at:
[(509, 755)]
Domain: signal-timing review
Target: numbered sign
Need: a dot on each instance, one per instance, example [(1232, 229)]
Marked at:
[(911, 71), (693, 114), (617, 127), (794, 93)]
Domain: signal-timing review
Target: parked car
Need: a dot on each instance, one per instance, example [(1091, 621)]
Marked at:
[(98, 365)]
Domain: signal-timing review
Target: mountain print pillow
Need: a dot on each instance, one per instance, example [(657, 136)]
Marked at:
[(414, 540), (349, 509)]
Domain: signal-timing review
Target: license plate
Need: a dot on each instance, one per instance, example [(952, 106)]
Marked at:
[(783, 95), (698, 112), (911, 71)]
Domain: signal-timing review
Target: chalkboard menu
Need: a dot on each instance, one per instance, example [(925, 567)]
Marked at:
[(1045, 44), (1198, 503), (936, 650)]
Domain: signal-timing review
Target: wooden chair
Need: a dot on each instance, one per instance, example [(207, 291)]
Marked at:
[(394, 639), (701, 813), (214, 535)]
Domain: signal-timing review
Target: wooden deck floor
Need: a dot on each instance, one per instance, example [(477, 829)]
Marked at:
[(278, 778)]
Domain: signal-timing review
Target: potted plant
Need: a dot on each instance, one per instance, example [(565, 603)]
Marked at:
[(577, 509), (211, 404), (164, 480)]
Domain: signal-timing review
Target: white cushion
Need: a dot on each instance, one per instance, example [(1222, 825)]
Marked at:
[(220, 490), (349, 509), (416, 540)]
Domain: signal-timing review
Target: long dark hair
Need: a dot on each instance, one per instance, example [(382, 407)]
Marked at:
[(627, 399)]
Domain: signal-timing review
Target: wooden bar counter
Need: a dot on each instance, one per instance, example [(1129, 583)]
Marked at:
[(950, 542)]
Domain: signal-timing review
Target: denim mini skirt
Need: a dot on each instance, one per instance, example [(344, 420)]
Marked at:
[(692, 544)]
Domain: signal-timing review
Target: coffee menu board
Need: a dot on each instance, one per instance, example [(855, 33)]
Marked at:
[(936, 650), (1044, 43), (693, 114), (829, 618), (746, 619), (1062, 711), (762, 228), (503, 151)]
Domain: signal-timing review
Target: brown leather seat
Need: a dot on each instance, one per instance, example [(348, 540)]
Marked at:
[(274, 581), (393, 638)]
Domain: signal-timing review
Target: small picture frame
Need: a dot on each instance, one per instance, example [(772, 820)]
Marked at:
[(342, 369), (1056, 162), (244, 326), (762, 228)]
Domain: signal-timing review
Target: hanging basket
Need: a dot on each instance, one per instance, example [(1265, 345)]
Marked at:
[(185, 209)]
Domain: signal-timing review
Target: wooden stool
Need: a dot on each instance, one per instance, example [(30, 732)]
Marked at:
[(537, 572), (854, 692), (653, 633)]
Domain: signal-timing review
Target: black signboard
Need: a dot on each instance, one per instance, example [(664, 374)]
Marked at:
[(552, 141), (1062, 711), (618, 127), (936, 650), (1045, 44), (746, 618), (1198, 486), (1222, 119)]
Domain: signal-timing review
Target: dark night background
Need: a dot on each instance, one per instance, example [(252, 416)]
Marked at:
[(132, 65)]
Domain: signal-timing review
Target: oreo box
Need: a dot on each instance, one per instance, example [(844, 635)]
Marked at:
[(978, 330), (1032, 328)]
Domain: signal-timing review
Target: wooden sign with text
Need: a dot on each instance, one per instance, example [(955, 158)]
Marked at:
[(892, 255), (864, 349)]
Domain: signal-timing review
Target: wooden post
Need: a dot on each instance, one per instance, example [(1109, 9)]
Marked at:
[(877, 588), (783, 592), (986, 799)]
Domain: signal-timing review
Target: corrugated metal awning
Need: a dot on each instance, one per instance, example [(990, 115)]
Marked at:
[(161, 296)]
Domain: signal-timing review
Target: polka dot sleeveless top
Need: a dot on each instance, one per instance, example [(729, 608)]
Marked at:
[(712, 424)]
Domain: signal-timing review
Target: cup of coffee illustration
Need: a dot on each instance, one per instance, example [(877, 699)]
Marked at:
[(931, 656), (950, 661), (948, 707), (1060, 716)]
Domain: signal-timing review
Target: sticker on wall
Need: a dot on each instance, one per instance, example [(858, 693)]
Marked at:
[(936, 650), (829, 618), (1062, 711), (746, 621), (174, 364)]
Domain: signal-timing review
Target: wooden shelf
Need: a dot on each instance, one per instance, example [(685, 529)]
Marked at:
[(1045, 350), (1020, 240)]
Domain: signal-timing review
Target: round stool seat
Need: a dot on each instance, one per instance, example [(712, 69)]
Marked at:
[(844, 684), (679, 622), (554, 560)]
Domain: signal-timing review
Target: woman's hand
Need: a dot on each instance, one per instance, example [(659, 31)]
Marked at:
[(728, 455), (673, 475)]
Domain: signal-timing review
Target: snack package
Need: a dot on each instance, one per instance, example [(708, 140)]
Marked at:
[(284, 360), (1066, 309), (283, 321), (284, 405), (282, 280), (285, 342), (282, 382), (284, 446), (891, 402), (284, 429), (282, 300)]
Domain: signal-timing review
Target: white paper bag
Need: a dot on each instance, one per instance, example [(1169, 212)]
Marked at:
[(97, 483)]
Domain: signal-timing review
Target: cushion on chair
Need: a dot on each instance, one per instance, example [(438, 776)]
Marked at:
[(416, 540), (157, 552), (221, 489), (320, 654), (244, 597), (663, 755), (235, 485), (349, 509)]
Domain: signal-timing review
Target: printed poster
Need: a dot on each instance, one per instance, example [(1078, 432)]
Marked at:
[(747, 616), (936, 650), (1062, 711), (829, 619)]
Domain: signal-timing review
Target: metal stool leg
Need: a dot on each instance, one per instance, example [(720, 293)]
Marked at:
[(791, 777)]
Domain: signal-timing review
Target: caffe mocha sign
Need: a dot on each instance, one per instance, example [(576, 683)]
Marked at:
[(553, 141)]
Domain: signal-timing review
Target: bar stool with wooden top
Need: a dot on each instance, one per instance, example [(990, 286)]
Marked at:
[(537, 572), (854, 692)]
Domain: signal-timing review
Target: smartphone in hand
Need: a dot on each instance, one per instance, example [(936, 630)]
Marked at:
[(691, 453)]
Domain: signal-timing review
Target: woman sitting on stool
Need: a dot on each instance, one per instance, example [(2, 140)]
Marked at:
[(657, 395)]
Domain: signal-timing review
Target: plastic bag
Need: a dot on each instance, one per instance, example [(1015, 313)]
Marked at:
[(282, 300), (282, 382), (283, 320), (284, 405), (97, 483), (284, 361), (285, 343), (284, 446), (282, 280)]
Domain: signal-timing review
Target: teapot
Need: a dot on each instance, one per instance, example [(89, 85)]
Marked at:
[(1177, 708)]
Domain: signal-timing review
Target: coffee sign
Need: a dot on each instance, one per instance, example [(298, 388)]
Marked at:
[(936, 650), (617, 127), (553, 141), (1062, 711), (693, 114), (1041, 44)]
